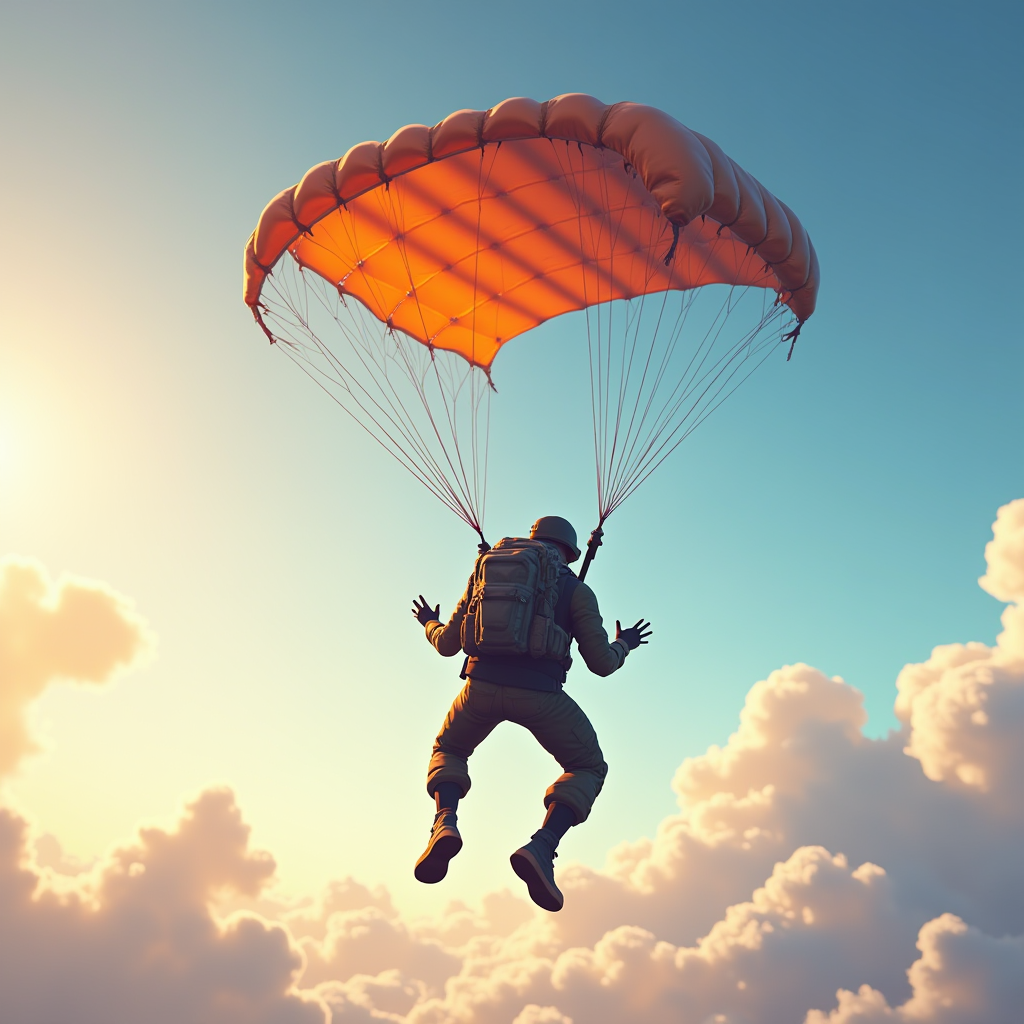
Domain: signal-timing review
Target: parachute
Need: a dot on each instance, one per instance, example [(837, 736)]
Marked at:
[(395, 275)]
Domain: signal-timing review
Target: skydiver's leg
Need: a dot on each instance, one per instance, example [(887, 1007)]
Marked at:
[(447, 796), (561, 727), (474, 713), (565, 732), (471, 719)]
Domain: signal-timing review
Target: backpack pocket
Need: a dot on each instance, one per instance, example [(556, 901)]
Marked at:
[(549, 640), (503, 617)]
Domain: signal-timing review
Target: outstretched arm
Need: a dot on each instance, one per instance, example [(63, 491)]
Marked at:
[(446, 639), (602, 658)]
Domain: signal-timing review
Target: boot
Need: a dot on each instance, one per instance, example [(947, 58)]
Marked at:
[(445, 843), (534, 863)]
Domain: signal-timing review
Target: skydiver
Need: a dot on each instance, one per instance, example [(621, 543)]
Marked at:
[(526, 690)]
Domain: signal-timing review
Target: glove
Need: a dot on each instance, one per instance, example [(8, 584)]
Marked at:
[(424, 613), (633, 637)]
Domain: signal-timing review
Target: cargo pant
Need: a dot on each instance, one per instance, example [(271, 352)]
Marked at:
[(556, 721)]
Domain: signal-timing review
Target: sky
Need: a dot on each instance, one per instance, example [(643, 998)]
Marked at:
[(835, 513)]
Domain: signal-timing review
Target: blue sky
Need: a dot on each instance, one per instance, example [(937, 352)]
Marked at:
[(834, 512)]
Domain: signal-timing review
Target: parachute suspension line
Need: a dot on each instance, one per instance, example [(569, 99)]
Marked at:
[(601, 361), (479, 389), (627, 370), (633, 435), (615, 473), (608, 339), (667, 449), (610, 218), (620, 487), (482, 182), (609, 454), (662, 440), (489, 388), (717, 380), (379, 351), (628, 453), (595, 403), (655, 407), (451, 388), (631, 461), (375, 404), (599, 355), (486, 398), (447, 389), (295, 351), (399, 423), (412, 435), (596, 222)]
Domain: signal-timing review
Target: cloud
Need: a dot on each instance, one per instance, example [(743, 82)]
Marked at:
[(768, 960), (798, 933), (534, 1014), (962, 977), (134, 938), (387, 997), (1004, 554), (368, 941), (811, 874), (74, 629), (965, 705)]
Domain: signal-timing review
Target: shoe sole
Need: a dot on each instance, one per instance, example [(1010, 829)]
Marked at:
[(525, 865), (433, 865)]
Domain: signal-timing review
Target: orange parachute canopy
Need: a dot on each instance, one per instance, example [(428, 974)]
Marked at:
[(465, 235), (455, 239)]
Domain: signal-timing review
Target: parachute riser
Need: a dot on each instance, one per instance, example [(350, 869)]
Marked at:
[(596, 540)]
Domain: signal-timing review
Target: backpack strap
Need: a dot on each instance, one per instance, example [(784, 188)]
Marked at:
[(563, 606)]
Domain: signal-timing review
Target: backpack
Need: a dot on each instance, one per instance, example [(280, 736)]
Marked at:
[(512, 605)]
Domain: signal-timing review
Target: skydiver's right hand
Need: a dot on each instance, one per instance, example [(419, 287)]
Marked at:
[(424, 613), (634, 636)]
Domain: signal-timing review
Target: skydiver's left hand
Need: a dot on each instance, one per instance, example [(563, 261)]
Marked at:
[(422, 610)]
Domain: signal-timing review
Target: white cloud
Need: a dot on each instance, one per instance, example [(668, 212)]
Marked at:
[(534, 1014), (72, 629), (368, 941), (1004, 554), (766, 960), (388, 996), (134, 939), (962, 977), (965, 705)]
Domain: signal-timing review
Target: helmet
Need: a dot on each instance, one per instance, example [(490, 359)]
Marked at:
[(557, 529)]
